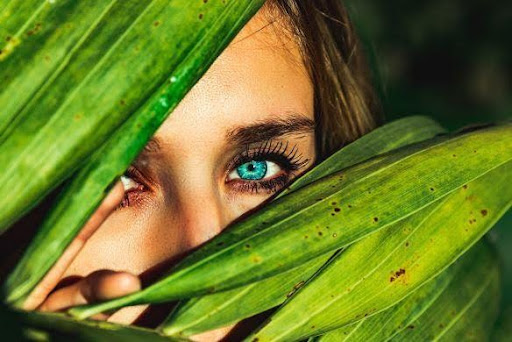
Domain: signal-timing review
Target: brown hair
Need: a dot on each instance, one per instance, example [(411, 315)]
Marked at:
[(346, 106)]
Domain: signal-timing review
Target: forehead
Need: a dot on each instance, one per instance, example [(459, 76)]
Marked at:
[(259, 76)]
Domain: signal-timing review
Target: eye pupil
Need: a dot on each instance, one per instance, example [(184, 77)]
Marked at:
[(253, 170)]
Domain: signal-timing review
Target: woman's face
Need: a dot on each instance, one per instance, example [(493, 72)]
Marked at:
[(242, 132)]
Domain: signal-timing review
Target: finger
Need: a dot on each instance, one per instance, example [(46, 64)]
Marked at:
[(97, 286), (50, 280)]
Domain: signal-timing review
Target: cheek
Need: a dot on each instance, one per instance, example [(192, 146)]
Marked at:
[(129, 240)]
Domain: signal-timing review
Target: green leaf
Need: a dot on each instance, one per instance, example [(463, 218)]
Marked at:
[(219, 309), (467, 310), (62, 328), (468, 270), (391, 136), (329, 214), (385, 267), (191, 56), (56, 113), (216, 310)]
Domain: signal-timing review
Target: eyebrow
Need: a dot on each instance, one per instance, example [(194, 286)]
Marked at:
[(270, 128), (262, 130)]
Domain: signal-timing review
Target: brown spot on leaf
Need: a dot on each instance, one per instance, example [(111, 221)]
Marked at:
[(483, 212), (375, 219), (156, 23), (465, 186), (407, 244), (337, 210), (201, 16), (399, 272), (397, 275)]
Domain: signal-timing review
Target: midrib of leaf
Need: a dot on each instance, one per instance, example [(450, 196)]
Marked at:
[(57, 70), (355, 329), (477, 295), (361, 279), (220, 307), (70, 96)]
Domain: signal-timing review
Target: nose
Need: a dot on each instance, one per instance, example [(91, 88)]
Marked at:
[(201, 212)]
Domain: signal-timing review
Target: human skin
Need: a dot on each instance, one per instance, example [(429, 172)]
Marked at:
[(251, 111)]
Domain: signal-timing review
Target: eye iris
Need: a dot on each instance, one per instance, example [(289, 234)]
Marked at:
[(253, 170)]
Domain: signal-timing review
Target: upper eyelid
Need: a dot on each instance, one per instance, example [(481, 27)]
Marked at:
[(268, 148)]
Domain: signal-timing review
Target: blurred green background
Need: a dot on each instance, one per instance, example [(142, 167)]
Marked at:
[(448, 59)]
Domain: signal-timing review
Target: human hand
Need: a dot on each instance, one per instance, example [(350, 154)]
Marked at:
[(97, 286)]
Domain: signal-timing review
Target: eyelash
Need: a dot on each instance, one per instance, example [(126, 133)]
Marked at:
[(288, 159), (134, 195)]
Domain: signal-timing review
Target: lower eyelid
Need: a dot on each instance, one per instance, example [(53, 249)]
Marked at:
[(268, 186)]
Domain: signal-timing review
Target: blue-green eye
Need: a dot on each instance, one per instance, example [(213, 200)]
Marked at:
[(255, 170)]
